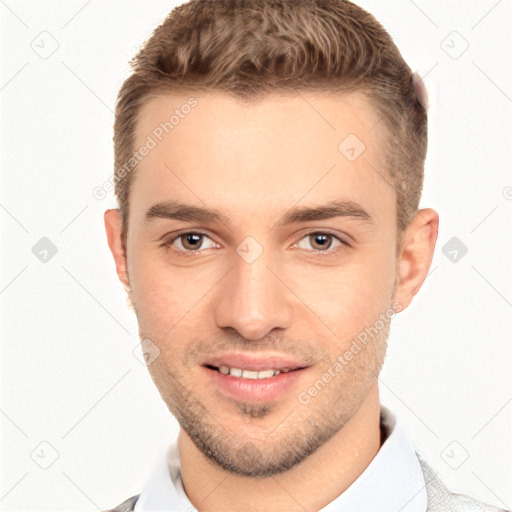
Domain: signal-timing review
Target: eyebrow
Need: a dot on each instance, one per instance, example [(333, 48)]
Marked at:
[(192, 213)]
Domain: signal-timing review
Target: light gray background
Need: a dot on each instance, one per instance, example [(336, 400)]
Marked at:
[(70, 379)]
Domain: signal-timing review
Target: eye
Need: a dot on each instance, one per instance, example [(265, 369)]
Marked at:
[(190, 242), (321, 242)]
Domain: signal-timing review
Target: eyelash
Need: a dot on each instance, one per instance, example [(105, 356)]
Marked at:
[(324, 254)]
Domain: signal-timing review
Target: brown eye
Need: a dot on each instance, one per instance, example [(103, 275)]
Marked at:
[(321, 242), (190, 242)]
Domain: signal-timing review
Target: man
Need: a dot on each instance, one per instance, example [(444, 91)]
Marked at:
[(269, 165)]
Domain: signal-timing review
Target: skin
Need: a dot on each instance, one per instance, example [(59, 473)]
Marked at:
[(254, 163)]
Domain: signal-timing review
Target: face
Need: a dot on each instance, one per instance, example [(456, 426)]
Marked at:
[(257, 242)]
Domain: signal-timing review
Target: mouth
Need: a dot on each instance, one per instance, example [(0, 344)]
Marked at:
[(245, 378)]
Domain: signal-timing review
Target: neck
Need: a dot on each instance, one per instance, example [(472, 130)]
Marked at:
[(310, 485)]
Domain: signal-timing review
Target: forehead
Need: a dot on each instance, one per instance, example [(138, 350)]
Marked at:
[(307, 147)]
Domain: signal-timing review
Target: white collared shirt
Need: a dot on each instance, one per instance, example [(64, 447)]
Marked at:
[(392, 482)]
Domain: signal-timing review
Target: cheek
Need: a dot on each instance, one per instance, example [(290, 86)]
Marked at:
[(350, 297), (158, 297), (164, 294)]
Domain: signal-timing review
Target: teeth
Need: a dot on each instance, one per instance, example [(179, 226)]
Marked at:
[(248, 374), (262, 375), (236, 372)]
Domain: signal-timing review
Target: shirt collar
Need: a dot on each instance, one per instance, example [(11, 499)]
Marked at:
[(392, 482)]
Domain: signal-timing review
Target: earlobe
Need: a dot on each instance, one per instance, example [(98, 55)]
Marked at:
[(415, 255), (113, 228)]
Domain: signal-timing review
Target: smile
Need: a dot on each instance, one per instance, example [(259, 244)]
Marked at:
[(250, 385), (249, 374)]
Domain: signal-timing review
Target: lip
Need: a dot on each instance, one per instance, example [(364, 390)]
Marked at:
[(253, 389), (255, 363)]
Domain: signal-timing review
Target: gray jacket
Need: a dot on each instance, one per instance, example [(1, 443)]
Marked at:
[(439, 498)]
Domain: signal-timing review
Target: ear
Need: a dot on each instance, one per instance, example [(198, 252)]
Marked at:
[(415, 255), (113, 228)]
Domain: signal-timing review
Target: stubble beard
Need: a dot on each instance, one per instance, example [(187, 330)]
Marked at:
[(295, 433)]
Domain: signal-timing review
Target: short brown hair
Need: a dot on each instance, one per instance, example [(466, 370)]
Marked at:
[(249, 48)]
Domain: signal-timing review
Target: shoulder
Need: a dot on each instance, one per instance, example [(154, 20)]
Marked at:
[(441, 499), (127, 505)]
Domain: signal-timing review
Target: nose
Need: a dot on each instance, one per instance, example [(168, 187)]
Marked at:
[(253, 300)]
